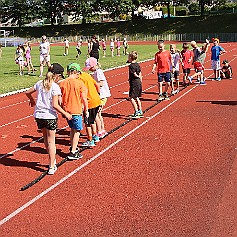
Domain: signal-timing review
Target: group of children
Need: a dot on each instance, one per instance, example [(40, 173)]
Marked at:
[(23, 58), (81, 97)]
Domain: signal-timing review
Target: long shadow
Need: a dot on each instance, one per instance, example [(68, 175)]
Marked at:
[(113, 115), (219, 102), (8, 161)]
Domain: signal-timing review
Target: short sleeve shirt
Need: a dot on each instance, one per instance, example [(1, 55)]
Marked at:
[(175, 57), (215, 52), (44, 108), (44, 47), (186, 58), (163, 61), (134, 68), (104, 89)]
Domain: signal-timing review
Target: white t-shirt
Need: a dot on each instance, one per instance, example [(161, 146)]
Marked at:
[(175, 57), (104, 90), (66, 43), (43, 107), (44, 47)]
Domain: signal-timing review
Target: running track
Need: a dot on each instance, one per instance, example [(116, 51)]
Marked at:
[(172, 173)]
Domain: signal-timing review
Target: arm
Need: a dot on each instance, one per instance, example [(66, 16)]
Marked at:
[(85, 102), (55, 104), (29, 95)]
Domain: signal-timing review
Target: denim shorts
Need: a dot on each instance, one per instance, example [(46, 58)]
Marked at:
[(164, 76), (76, 122)]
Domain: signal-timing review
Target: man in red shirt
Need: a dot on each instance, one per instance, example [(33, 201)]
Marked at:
[(163, 62)]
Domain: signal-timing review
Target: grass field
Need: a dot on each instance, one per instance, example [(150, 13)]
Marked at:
[(11, 81)]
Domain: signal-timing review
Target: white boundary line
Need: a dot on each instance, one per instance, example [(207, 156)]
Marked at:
[(20, 209)]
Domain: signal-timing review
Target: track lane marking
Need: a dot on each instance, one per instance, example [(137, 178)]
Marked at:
[(33, 200)]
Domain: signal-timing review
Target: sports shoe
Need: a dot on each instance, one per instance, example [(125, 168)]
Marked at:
[(102, 134), (95, 138), (203, 83), (135, 115), (52, 170), (218, 79), (166, 96), (140, 113), (190, 79), (74, 156), (88, 143), (161, 97), (173, 92)]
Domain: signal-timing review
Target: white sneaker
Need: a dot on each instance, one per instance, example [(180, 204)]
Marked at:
[(52, 170)]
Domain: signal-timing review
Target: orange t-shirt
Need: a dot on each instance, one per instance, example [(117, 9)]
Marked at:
[(163, 61), (72, 89), (93, 97)]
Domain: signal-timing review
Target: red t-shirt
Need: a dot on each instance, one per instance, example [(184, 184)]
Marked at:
[(186, 58), (163, 61)]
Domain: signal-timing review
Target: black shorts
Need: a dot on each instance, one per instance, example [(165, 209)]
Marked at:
[(186, 71), (50, 124), (135, 88), (175, 75), (92, 115)]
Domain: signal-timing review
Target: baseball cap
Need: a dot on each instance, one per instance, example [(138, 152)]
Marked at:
[(90, 62), (74, 67), (225, 61), (57, 68)]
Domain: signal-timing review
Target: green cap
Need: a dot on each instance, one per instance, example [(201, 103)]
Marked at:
[(74, 67)]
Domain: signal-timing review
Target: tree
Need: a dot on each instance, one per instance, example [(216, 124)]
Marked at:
[(19, 12)]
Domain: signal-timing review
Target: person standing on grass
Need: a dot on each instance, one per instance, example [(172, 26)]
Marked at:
[(186, 61), (125, 46), (74, 101), (216, 51), (98, 75), (45, 114), (198, 61), (78, 48), (175, 55), (19, 58), (28, 58), (44, 54), (93, 99), (94, 48), (103, 44), (163, 61), (118, 46), (135, 84), (66, 47), (112, 47)]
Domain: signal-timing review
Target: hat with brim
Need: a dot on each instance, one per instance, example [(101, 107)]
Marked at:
[(73, 67), (90, 62), (56, 68), (225, 61)]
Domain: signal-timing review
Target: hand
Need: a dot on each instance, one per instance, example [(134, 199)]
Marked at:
[(153, 70), (86, 113), (68, 116), (32, 103)]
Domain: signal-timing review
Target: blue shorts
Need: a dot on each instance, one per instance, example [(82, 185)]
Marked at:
[(164, 76), (76, 122)]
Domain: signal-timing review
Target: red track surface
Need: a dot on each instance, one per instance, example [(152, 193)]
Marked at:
[(172, 173)]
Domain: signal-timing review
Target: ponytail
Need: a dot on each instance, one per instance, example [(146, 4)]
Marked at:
[(48, 80)]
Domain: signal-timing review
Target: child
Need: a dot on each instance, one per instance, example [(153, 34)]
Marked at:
[(45, 113), (28, 58), (216, 51), (186, 61), (103, 44), (118, 46), (125, 46), (44, 54), (226, 71), (78, 48), (19, 58), (66, 47), (92, 65), (135, 84), (93, 107), (175, 75), (112, 47), (198, 61), (74, 101), (163, 61)]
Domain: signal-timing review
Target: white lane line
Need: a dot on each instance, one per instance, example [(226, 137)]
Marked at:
[(5, 107), (16, 121), (20, 209)]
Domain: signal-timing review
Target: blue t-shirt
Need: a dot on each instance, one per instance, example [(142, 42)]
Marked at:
[(215, 52)]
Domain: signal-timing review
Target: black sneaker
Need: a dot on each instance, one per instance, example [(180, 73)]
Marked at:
[(166, 96), (74, 156)]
